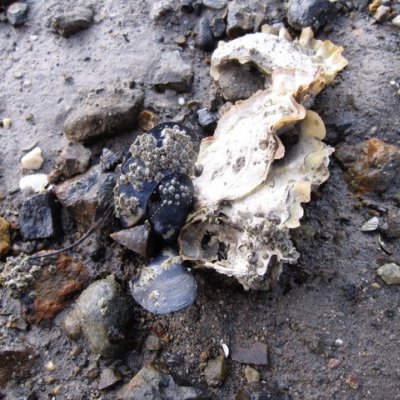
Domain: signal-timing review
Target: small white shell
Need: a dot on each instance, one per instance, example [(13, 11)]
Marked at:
[(371, 225)]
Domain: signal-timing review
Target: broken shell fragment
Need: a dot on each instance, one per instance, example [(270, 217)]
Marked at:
[(169, 205), (371, 225), (165, 149), (164, 286)]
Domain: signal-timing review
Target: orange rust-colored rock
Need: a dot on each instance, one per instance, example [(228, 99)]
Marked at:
[(55, 287), (370, 166)]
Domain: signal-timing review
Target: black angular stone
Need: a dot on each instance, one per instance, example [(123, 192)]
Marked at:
[(40, 217)]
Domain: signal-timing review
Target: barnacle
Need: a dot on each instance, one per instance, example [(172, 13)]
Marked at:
[(250, 191)]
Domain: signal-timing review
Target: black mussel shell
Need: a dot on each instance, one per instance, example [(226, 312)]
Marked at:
[(169, 205)]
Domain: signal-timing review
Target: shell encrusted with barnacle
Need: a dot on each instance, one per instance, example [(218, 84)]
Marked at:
[(166, 149)]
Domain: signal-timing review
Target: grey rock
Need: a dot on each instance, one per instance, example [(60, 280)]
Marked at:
[(109, 377), (207, 119), (173, 72), (250, 352), (382, 13), (260, 391), (109, 160), (73, 21), (17, 13), (153, 343), (215, 4), (152, 382), (216, 371), (161, 9), (87, 195), (74, 159), (109, 115), (40, 217), (313, 13), (102, 313), (204, 37), (16, 364), (245, 16), (390, 273), (239, 82), (393, 223), (217, 26)]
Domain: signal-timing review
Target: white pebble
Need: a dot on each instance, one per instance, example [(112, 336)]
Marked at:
[(7, 122), (33, 183), (339, 342), (396, 21), (33, 159), (181, 101)]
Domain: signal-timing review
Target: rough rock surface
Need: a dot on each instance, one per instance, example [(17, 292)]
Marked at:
[(87, 194), (109, 115), (40, 217), (74, 20), (173, 72), (5, 242)]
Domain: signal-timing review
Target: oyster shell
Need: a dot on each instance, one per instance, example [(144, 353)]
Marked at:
[(252, 185)]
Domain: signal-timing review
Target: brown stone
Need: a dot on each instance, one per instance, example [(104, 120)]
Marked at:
[(370, 166), (108, 378), (216, 371), (5, 241), (54, 289), (15, 364)]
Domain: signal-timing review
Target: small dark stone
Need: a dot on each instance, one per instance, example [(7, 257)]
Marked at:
[(251, 353), (73, 21), (204, 38), (109, 160), (207, 119), (17, 13), (260, 391), (217, 27), (40, 217), (314, 13), (16, 363), (74, 159), (350, 291)]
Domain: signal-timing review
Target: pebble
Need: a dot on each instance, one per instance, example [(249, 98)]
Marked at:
[(393, 224), (204, 37), (50, 366), (83, 195), (161, 8), (102, 313), (215, 371), (339, 342), (215, 4), (206, 119), (18, 74), (251, 374), (334, 363), (313, 13), (382, 14), (250, 352), (7, 122), (33, 159), (396, 21), (152, 382), (5, 240), (390, 273), (16, 363), (108, 378), (218, 27), (34, 183), (353, 381), (75, 20), (153, 343), (40, 217), (100, 116), (172, 72), (17, 13), (74, 159)]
